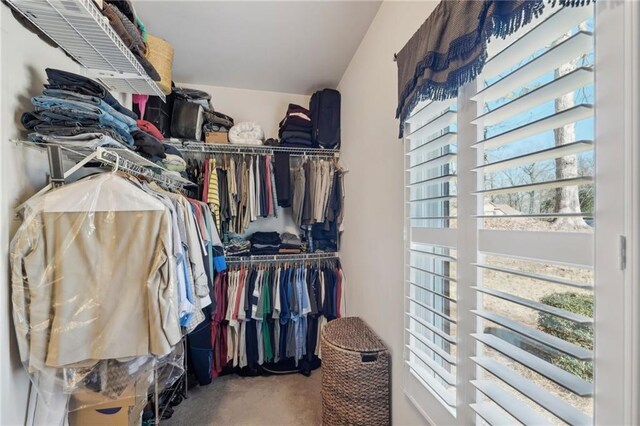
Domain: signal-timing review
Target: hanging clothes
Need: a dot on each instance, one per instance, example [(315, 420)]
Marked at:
[(239, 189), (134, 294), (272, 312), (213, 195), (318, 198)]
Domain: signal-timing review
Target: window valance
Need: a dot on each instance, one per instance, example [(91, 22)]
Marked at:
[(450, 48)]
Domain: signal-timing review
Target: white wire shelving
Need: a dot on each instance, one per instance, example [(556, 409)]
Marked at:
[(195, 147), (121, 159), (80, 29)]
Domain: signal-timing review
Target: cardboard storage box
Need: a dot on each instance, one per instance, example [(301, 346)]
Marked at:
[(113, 413), (216, 137), (95, 409)]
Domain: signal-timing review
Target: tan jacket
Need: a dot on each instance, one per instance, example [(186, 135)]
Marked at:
[(93, 277)]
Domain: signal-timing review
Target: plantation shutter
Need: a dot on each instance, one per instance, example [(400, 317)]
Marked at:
[(499, 235), (535, 224), (430, 303)]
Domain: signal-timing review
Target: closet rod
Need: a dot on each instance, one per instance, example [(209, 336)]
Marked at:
[(282, 258), (192, 147)]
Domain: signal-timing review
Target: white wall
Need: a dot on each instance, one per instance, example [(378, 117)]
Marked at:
[(23, 172), (267, 109), (372, 246)]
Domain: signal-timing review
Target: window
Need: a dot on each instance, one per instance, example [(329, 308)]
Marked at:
[(535, 170), (500, 235), (431, 273)]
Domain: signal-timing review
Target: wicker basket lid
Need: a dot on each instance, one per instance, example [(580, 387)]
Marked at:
[(352, 334)]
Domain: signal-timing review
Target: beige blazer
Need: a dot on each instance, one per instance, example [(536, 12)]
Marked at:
[(92, 276)]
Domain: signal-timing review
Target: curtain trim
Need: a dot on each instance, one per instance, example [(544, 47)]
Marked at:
[(440, 91), (494, 25)]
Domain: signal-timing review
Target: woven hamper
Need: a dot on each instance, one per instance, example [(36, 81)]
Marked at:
[(355, 375)]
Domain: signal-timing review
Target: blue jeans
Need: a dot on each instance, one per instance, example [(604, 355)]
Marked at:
[(65, 80), (60, 110), (52, 125), (81, 105), (72, 96), (85, 140)]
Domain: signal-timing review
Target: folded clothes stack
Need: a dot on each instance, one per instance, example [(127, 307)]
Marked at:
[(173, 161), (150, 128), (263, 243), (237, 246), (72, 105), (78, 112), (291, 244), (127, 25), (295, 127), (324, 240)]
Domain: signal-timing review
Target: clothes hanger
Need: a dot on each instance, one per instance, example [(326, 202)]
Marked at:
[(91, 157)]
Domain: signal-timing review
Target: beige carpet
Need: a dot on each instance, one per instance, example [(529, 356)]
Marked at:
[(231, 400)]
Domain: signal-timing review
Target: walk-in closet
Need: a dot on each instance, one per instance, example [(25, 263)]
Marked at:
[(351, 212)]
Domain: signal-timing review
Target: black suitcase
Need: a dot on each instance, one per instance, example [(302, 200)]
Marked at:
[(325, 118)]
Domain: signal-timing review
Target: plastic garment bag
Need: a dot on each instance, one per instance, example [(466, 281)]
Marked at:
[(94, 288)]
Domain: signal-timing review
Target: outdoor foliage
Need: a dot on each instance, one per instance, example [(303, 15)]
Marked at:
[(581, 335)]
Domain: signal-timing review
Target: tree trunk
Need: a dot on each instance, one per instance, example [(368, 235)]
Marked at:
[(567, 198)]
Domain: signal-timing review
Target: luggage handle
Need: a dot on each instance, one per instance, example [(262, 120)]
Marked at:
[(369, 357)]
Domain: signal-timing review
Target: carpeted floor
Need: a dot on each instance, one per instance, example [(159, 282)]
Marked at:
[(243, 401)]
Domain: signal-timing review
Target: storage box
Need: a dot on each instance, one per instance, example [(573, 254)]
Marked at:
[(114, 413), (95, 409), (216, 137)]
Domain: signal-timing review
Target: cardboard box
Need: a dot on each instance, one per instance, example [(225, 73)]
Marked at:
[(216, 137), (114, 413), (95, 409)]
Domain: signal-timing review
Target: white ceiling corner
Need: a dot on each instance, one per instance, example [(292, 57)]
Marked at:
[(281, 46)]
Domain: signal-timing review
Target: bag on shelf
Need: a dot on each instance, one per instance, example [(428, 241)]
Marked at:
[(186, 120), (158, 113), (325, 118)]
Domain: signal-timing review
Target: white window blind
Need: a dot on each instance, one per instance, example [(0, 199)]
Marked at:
[(530, 237), (430, 303), (535, 172)]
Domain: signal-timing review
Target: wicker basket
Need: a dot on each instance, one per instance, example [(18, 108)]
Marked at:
[(160, 54), (355, 375)]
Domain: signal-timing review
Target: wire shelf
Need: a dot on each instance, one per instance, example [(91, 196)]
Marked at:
[(282, 258), (194, 147), (79, 28), (122, 159)]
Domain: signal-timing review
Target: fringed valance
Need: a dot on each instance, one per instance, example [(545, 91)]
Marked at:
[(450, 48)]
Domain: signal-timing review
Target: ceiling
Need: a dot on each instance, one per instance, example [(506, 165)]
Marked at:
[(281, 46)]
